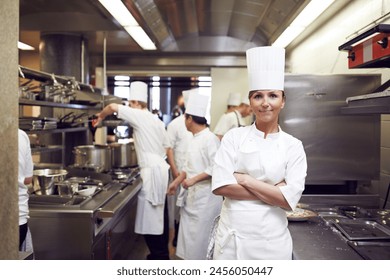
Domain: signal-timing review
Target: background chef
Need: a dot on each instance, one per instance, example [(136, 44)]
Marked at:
[(151, 144), (200, 206)]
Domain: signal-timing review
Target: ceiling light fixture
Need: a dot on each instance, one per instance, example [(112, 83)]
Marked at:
[(120, 12), (25, 47), (121, 78), (312, 11)]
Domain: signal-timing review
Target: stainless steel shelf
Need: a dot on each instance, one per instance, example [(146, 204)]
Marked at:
[(27, 102), (73, 129), (45, 149), (28, 73), (374, 103)]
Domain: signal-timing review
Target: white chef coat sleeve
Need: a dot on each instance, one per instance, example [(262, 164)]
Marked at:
[(26, 165), (212, 148), (131, 115), (222, 125), (29, 161), (295, 174), (165, 138), (224, 162), (171, 131)]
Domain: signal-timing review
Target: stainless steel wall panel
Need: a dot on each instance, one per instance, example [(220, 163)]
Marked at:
[(338, 147)]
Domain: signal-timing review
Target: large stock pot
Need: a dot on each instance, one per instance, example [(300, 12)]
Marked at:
[(97, 157), (123, 154)]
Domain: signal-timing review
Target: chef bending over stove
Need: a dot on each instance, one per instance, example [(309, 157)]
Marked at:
[(151, 145)]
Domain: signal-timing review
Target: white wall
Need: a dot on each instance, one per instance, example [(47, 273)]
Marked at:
[(225, 80), (319, 54)]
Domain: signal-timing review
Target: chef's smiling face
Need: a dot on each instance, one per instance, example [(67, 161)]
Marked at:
[(267, 104)]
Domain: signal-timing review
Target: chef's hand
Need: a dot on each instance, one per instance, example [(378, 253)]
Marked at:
[(96, 119), (175, 173), (188, 183), (172, 188), (242, 179)]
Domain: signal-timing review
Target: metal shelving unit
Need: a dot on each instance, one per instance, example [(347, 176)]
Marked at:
[(55, 145)]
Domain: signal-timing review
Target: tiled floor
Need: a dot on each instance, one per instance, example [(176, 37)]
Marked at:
[(141, 250)]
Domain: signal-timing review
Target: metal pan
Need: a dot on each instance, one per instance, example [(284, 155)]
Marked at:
[(362, 229)]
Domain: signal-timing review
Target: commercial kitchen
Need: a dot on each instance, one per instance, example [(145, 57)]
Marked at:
[(82, 57)]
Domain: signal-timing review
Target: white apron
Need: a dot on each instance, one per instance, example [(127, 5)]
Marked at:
[(252, 229), (201, 207), (151, 198)]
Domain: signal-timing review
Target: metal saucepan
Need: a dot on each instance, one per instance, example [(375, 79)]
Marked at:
[(44, 180), (97, 157), (123, 155)]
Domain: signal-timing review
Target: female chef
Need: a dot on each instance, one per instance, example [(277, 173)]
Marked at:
[(259, 169), (151, 145), (200, 205)]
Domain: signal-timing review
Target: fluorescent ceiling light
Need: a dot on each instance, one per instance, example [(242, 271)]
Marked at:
[(120, 12), (121, 78), (204, 79), (122, 83), (303, 20), (204, 84), (25, 47), (140, 37)]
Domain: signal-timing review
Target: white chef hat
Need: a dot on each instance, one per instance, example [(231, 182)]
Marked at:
[(245, 100), (266, 68), (197, 103), (138, 91), (186, 94), (234, 99)]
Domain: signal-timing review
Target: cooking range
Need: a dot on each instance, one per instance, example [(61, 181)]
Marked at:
[(95, 226), (365, 230)]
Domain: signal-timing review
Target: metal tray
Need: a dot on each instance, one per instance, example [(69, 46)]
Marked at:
[(362, 230), (370, 250)]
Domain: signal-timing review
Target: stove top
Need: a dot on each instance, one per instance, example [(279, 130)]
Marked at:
[(124, 175)]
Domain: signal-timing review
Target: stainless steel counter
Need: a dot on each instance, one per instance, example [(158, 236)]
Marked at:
[(85, 228), (316, 239)]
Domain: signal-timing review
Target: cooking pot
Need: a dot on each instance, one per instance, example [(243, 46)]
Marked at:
[(78, 185), (97, 157), (44, 180), (123, 155)]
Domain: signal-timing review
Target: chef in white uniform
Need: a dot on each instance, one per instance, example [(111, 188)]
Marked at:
[(201, 206), (151, 144), (25, 176), (259, 169), (234, 118), (179, 138)]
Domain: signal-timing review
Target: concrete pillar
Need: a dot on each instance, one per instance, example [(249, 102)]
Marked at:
[(9, 213)]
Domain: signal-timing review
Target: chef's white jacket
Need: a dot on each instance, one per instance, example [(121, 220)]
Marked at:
[(253, 229), (150, 142), (25, 170), (228, 121), (201, 206)]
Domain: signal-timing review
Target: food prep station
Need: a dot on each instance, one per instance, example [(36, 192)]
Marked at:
[(98, 226), (345, 227)]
